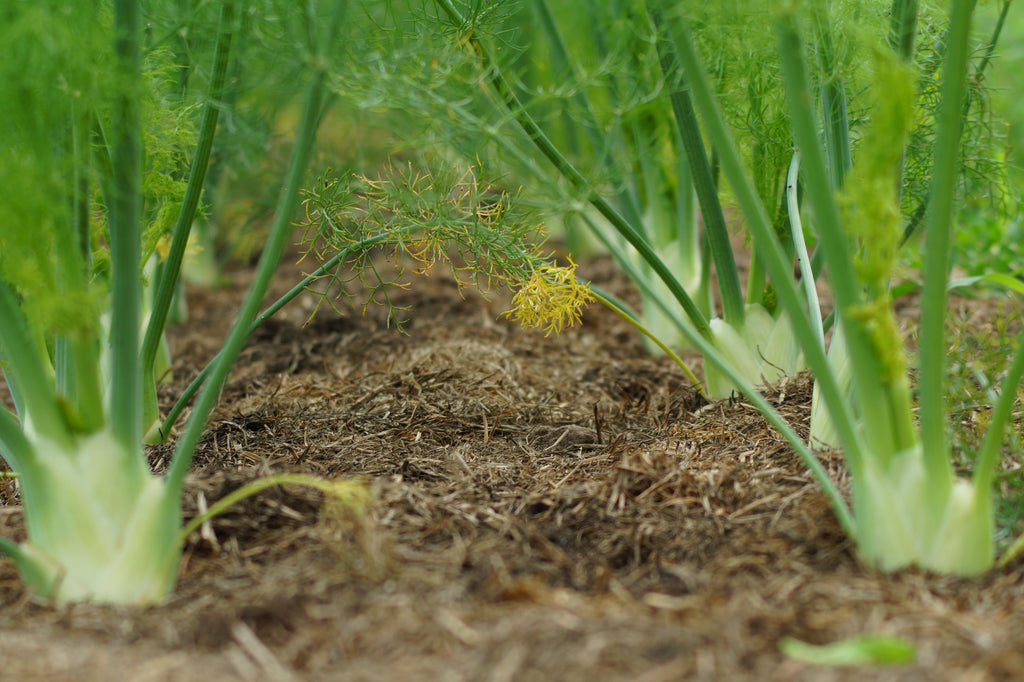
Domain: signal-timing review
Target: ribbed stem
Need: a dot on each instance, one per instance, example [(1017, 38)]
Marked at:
[(938, 242), (197, 175), (123, 219), (703, 181), (903, 27)]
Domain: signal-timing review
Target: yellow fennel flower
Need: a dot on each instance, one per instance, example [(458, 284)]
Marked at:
[(552, 298)]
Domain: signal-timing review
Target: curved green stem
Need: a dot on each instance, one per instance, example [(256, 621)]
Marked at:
[(938, 242), (640, 279), (179, 241), (803, 260), (354, 493), (990, 48), (608, 301), (988, 458)]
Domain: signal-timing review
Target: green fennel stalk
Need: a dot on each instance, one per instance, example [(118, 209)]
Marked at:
[(123, 221), (171, 267)]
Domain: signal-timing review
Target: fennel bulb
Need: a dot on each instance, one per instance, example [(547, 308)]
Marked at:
[(901, 521), (98, 530), (763, 350)]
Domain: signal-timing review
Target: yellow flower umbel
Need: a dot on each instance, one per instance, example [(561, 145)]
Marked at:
[(552, 298)]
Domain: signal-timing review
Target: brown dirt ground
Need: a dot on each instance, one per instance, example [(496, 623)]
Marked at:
[(545, 508)]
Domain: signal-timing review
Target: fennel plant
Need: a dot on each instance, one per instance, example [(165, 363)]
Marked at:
[(759, 343), (908, 506), (100, 525)]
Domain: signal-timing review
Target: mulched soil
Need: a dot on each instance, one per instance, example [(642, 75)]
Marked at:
[(543, 508)]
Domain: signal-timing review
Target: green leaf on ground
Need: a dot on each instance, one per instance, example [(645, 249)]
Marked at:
[(863, 650)]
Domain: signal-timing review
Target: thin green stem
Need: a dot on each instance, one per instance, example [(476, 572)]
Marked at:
[(1011, 553), (938, 241), (990, 48), (124, 218), (703, 181), (561, 67), (355, 493), (620, 310), (197, 175), (174, 32), (988, 457), (802, 259), (994, 40), (642, 282)]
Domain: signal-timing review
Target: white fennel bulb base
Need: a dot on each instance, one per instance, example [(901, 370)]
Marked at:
[(98, 530), (897, 524)]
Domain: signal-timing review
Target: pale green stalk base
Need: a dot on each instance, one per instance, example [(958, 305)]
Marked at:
[(895, 530), (119, 551), (824, 434), (763, 351), (95, 535)]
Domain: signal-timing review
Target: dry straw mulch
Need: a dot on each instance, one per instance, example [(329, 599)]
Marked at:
[(544, 508)]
